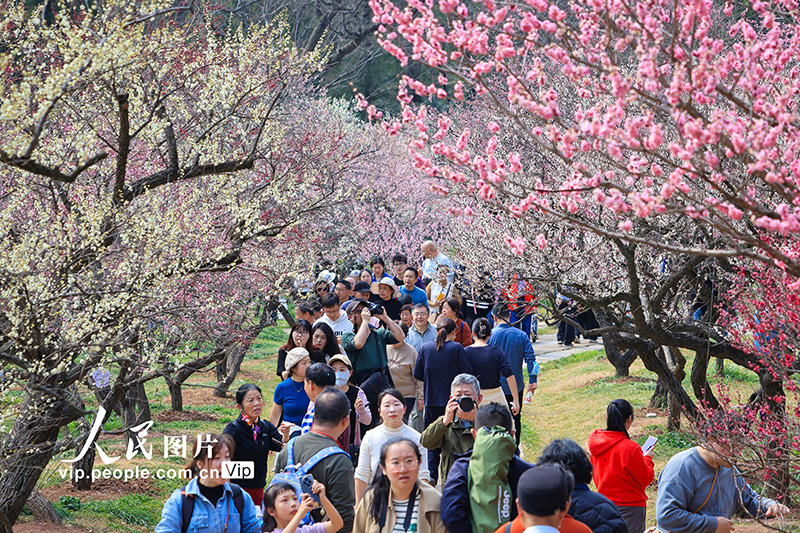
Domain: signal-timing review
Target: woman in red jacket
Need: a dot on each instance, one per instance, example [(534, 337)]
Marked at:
[(621, 470)]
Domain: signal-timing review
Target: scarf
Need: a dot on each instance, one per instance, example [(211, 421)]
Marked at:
[(253, 425)]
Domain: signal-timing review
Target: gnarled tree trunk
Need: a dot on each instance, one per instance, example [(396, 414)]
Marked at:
[(42, 509), (620, 359), (28, 450)]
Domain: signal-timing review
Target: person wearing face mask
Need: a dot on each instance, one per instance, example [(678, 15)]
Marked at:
[(360, 415)]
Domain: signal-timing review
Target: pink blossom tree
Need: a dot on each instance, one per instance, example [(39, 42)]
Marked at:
[(651, 124)]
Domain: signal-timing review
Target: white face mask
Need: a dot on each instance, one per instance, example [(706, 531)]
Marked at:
[(342, 378)]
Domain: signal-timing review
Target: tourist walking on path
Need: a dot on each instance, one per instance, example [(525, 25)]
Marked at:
[(490, 365), (254, 438), (396, 501), (621, 471)]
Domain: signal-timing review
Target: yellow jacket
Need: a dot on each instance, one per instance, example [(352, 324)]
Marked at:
[(429, 518)]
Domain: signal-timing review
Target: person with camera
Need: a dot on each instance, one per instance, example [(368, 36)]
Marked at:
[(385, 294), (439, 362), (366, 348), (452, 432)]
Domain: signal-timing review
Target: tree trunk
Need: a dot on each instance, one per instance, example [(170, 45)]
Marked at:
[(659, 398), (720, 366), (42, 509), (235, 353), (136, 408), (177, 380), (621, 360), (221, 390), (655, 361), (28, 450), (175, 394), (700, 386), (677, 364)]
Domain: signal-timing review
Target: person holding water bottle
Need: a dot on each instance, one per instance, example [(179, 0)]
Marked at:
[(518, 348)]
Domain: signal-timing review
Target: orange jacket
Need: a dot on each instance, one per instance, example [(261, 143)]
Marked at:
[(568, 525)]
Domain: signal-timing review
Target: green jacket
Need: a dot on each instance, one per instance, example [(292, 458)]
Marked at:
[(454, 439)]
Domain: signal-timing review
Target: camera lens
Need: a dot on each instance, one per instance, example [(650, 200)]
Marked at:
[(466, 404)]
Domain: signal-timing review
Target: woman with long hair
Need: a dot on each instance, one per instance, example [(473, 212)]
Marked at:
[(299, 337), (621, 471), (396, 500), (213, 498), (255, 438), (490, 363), (438, 363), (451, 308), (323, 340), (390, 408)]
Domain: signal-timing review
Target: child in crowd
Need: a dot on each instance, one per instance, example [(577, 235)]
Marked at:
[(283, 513)]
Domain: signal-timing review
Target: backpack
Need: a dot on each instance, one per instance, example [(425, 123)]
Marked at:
[(187, 506), (292, 474), (490, 497)]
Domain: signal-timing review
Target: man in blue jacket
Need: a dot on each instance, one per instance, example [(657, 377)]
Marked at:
[(455, 496), (518, 348)]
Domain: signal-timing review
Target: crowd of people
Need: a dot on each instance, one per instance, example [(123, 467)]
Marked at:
[(398, 410)]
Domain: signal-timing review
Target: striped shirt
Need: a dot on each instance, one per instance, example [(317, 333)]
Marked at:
[(400, 510), (308, 419)]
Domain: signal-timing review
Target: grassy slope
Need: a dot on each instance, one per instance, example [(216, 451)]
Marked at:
[(570, 402)]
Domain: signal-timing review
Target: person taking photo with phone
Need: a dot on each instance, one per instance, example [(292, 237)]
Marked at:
[(622, 471), (283, 512)]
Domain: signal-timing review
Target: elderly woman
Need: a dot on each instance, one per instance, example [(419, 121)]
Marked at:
[(396, 500), (255, 439), (290, 400)]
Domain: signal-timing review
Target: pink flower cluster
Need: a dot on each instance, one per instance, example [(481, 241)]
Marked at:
[(692, 121)]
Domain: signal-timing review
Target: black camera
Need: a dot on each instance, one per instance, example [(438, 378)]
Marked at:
[(375, 309), (466, 404)]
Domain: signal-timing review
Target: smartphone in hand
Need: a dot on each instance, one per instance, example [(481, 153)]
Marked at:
[(306, 482), (649, 444)]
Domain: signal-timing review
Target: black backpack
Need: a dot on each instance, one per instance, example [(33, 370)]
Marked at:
[(187, 506)]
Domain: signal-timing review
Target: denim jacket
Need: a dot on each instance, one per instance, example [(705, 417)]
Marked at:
[(206, 519)]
